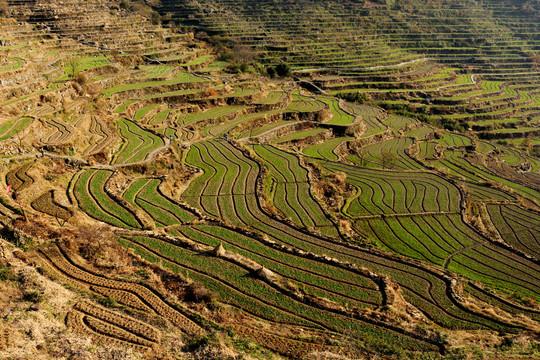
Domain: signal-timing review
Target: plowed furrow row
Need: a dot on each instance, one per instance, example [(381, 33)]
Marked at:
[(100, 331), (125, 322), (57, 259), (239, 298), (19, 179), (331, 320), (288, 347)]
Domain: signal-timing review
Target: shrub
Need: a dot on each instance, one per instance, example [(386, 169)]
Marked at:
[(108, 302), (33, 296), (283, 70), (271, 71), (197, 292), (6, 273)]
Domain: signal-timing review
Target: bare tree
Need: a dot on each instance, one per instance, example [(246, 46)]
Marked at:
[(361, 155), (72, 68)]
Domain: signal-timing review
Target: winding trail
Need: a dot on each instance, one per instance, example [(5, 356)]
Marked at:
[(271, 130), (449, 258), (84, 162), (363, 68), (427, 213)]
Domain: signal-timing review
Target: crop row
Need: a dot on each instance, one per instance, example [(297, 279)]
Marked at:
[(500, 268), (223, 128), (102, 332), (219, 178), (142, 112), (434, 238), (61, 132), (326, 149), (389, 154), (211, 270), (433, 300), (291, 348), (89, 190), (104, 134), (139, 143), (331, 280), (274, 97), (15, 64), (145, 194), (123, 297), (181, 78), (518, 227), (479, 173), (46, 204), (12, 127), (160, 117), (449, 139), (427, 150), (18, 178), (429, 238), (290, 182), (128, 323), (302, 103), (509, 306), (420, 132), (299, 135), (369, 114), (57, 259), (397, 123), (157, 71), (397, 192), (479, 192), (419, 237), (213, 113), (230, 292), (340, 116)]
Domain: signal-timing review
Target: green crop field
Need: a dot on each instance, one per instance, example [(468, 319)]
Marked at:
[(270, 180)]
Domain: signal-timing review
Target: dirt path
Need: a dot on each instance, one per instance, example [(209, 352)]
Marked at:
[(269, 131), (376, 216), (449, 258), (149, 158), (38, 155), (362, 68)]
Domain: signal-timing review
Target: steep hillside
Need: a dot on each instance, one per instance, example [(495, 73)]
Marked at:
[(457, 64), (163, 199)]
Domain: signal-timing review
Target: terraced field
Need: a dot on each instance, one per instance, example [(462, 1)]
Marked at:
[(514, 225), (10, 128), (462, 76), (375, 196), (18, 179), (145, 194), (89, 190), (139, 144), (130, 294), (247, 212)]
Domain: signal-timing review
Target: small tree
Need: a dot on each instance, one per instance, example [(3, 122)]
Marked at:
[(271, 71), (361, 155), (283, 70), (72, 68)]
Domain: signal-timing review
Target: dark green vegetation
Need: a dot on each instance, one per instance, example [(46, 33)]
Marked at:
[(365, 203)]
